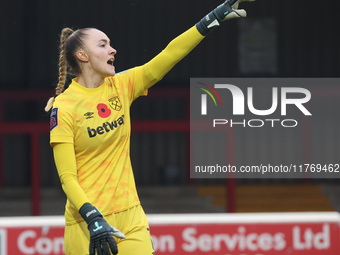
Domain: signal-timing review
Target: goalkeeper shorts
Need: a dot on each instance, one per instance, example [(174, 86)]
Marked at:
[(132, 222)]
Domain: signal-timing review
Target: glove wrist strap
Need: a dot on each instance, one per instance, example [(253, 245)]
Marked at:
[(89, 212), (207, 24), (212, 20)]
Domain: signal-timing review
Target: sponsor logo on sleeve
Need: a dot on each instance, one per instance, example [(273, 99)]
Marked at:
[(54, 118)]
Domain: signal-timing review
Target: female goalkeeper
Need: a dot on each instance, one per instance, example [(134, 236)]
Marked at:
[(90, 136)]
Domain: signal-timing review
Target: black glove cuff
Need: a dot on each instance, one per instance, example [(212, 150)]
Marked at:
[(205, 26), (89, 212), (211, 21)]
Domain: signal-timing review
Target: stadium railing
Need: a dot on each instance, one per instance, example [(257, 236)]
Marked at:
[(34, 129)]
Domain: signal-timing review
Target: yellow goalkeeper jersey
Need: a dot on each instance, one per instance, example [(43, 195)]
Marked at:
[(97, 122)]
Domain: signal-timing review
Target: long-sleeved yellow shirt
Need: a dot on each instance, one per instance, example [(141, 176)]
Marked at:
[(90, 133)]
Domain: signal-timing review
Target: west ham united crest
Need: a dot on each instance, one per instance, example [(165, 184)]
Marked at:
[(115, 103)]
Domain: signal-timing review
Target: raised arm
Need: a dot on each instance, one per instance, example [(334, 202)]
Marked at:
[(178, 48)]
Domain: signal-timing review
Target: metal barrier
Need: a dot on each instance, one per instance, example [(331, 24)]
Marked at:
[(33, 129)]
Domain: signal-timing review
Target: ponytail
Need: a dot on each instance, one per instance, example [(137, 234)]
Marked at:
[(65, 34), (70, 42)]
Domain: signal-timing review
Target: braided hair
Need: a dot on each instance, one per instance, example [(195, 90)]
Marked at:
[(70, 42)]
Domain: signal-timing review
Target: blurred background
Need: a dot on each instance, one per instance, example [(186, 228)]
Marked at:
[(277, 39)]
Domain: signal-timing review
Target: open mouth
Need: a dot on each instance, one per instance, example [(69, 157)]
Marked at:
[(110, 62)]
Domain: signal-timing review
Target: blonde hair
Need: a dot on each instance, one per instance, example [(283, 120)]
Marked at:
[(70, 42)]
